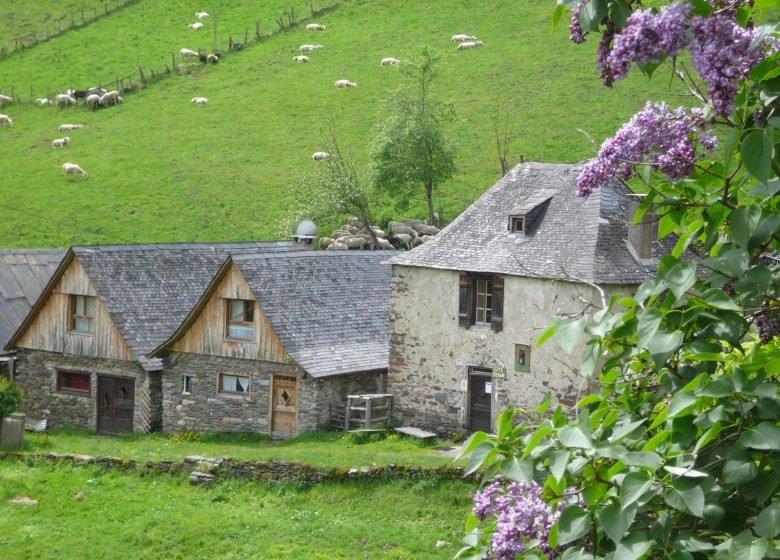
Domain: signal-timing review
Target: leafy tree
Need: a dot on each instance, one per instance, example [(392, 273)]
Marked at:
[(676, 455), (10, 397), (412, 149)]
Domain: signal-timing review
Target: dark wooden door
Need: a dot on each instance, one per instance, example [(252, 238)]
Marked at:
[(116, 398), (480, 399), (284, 405)]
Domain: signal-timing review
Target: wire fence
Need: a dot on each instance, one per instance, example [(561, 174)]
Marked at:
[(146, 76), (63, 25)]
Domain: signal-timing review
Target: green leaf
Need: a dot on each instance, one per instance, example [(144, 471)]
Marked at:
[(633, 487), (474, 440), (633, 547), (684, 471), (518, 471), (686, 495), (619, 13), (758, 279), (547, 333), (569, 333), (535, 439), (681, 401), (504, 422), (731, 139), (756, 153), (744, 547), (681, 278), (591, 15), (573, 524), (625, 429), (731, 263), (560, 9), (558, 463), (739, 467), (479, 455), (768, 521), (720, 300), (764, 230), (743, 222), (653, 443), (573, 436), (616, 522), (701, 8), (764, 436)]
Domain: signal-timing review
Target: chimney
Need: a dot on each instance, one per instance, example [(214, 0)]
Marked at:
[(641, 235), (305, 234)]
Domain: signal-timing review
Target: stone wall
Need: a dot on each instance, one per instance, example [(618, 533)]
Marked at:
[(205, 409), (36, 374), (321, 397), (430, 355)]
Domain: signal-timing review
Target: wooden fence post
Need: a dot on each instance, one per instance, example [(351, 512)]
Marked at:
[(141, 74), (83, 19), (31, 98), (257, 30), (173, 61), (311, 7), (106, 7), (94, 12), (16, 44), (246, 35), (48, 93), (117, 83)]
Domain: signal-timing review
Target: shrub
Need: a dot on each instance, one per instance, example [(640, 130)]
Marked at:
[(10, 397)]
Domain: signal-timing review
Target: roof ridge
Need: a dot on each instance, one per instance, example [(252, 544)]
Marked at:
[(319, 254), (181, 245)]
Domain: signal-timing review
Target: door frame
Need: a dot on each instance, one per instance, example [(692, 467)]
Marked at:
[(479, 371), (100, 377), (289, 375)]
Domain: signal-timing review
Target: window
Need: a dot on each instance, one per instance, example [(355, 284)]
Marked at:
[(522, 357), (82, 314), (233, 384), (186, 387), (517, 224), (481, 301), (240, 318), (72, 382)]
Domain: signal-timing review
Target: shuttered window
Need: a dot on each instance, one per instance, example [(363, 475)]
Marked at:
[(481, 301)]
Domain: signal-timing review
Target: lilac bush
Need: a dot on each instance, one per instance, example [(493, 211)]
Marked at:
[(575, 31), (669, 140)]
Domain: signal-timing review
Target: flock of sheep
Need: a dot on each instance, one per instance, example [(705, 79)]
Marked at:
[(355, 235)]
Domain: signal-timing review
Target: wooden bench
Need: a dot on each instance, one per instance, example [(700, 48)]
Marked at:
[(416, 433)]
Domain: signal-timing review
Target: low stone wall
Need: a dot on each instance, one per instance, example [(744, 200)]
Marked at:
[(204, 469)]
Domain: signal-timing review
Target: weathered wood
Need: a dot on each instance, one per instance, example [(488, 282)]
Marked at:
[(416, 433), (207, 333), (12, 432)]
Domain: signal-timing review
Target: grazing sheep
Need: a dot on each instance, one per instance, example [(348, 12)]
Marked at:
[(60, 142), (389, 61), (309, 48), (43, 101), (326, 242), (424, 229), (5, 99), (405, 239), (470, 45), (93, 100), (109, 97), (316, 156), (64, 99), (119, 100), (196, 25), (69, 127), (315, 27), (354, 242), (188, 53), (401, 229), (336, 245), (5, 120), (212, 59), (201, 15), (345, 84), (302, 59), (459, 38), (73, 169), (200, 101), (384, 244), (425, 238)]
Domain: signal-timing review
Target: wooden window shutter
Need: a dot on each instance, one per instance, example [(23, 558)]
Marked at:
[(497, 318), (464, 307)]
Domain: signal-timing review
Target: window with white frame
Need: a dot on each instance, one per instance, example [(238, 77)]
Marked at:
[(82, 314), (186, 384), (233, 384), (240, 319)]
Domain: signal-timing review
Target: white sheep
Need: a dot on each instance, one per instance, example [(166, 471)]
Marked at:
[(201, 15), (60, 142), (196, 25), (461, 37), (188, 53), (315, 27), (64, 99), (316, 156), (384, 243), (301, 59), (389, 61), (43, 101), (93, 100), (212, 58), (336, 245), (109, 97), (470, 45), (119, 100), (405, 239), (5, 120), (200, 101), (309, 48), (69, 127), (345, 84), (5, 99), (73, 169)]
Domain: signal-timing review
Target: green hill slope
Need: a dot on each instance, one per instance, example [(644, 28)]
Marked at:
[(162, 169)]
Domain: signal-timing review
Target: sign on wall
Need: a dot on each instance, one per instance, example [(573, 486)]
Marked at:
[(499, 372)]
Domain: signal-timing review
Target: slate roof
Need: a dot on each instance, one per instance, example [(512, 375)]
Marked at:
[(24, 274), (567, 237), (330, 309)]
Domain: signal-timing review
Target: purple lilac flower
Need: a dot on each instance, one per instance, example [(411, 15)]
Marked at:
[(575, 31), (648, 37), (664, 138), (602, 60), (720, 52)]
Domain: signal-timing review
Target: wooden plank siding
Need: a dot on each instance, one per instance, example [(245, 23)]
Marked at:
[(50, 329), (207, 335)]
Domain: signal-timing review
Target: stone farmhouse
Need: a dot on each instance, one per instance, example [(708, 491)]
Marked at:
[(467, 307), (260, 337)]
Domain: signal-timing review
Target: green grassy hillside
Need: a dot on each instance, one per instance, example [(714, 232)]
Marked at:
[(163, 169)]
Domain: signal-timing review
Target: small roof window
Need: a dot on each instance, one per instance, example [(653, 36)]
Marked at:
[(517, 224)]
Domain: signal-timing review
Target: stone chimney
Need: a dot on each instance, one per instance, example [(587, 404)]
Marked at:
[(641, 235)]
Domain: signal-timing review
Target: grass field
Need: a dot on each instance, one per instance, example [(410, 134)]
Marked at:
[(21, 18), (321, 449), (161, 517), (161, 169)]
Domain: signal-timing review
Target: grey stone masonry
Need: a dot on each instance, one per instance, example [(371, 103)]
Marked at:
[(36, 373), (321, 397)]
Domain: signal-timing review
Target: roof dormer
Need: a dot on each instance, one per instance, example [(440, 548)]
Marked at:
[(523, 214)]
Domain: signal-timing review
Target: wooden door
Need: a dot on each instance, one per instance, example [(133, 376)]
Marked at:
[(480, 403), (116, 402), (284, 403)]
